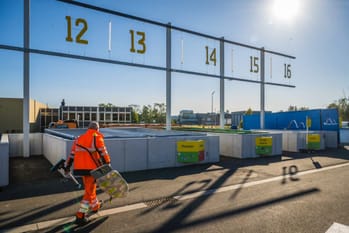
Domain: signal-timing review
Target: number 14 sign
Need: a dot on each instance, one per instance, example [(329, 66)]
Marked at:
[(77, 30)]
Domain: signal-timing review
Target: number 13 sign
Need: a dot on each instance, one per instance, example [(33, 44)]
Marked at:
[(138, 44)]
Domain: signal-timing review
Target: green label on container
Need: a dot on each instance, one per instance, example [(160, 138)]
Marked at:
[(264, 150), (313, 145), (264, 145), (313, 141), (190, 157)]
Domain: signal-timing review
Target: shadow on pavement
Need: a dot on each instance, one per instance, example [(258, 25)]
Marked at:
[(71, 227), (37, 180), (179, 220), (34, 214)]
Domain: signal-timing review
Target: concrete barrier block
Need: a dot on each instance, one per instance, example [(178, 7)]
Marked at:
[(116, 150), (213, 146), (344, 135), (4, 160), (161, 152), (136, 154), (55, 148)]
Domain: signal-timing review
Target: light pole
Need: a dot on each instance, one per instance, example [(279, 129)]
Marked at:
[(212, 93)]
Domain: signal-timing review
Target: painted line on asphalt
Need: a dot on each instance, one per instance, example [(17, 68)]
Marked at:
[(253, 183), (338, 228), (141, 205)]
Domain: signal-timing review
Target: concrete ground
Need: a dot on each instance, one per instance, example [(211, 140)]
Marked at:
[(35, 195)]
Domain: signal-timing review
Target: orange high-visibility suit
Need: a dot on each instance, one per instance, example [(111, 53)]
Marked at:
[(88, 152)]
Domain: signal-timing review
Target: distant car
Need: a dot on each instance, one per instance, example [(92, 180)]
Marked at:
[(233, 127), (67, 124)]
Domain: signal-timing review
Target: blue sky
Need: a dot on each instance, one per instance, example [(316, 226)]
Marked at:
[(315, 34)]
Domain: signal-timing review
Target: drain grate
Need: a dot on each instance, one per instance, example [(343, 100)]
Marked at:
[(160, 201)]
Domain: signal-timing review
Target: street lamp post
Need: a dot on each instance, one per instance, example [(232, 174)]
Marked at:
[(212, 93), (212, 101)]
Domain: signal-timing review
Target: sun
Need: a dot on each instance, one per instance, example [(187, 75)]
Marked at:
[(286, 10)]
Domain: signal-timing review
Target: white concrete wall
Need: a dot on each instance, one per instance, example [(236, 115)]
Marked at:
[(162, 152), (56, 148), (136, 155), (212, 149), (133, 154), (344, 135), (230, 145), (330, 139), (4, 160), (244, 145), (294, 141), (117, 153), (16, 144)]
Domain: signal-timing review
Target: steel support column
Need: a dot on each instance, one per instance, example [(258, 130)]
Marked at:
[(262, 114), (26, 75), (221, 83), (168, 77)]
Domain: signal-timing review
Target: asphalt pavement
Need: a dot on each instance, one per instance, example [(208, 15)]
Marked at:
[(36, 199)]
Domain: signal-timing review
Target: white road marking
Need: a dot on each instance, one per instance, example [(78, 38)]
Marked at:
[(119, 210), (338, 228), (141, 205), (253, 183)]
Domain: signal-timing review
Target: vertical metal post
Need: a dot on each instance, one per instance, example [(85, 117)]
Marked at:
[(168, 77), (26, 74), (212, 93), (221, 85), (262, 115)]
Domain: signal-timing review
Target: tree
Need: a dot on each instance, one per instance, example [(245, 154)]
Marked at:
[(160, 112), (292, 108), (249, 111), (145, 116), (136, 108), (135, 113), (342, 105), (153, 114)]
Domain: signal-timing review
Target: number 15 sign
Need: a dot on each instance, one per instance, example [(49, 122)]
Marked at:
[(191, 52)]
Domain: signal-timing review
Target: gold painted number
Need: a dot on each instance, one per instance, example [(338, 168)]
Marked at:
[(212, 57), (141, 42), (78, 38), (254, 67)]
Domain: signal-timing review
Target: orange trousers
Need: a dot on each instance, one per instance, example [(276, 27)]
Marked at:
[(89, 200), (90, 188)]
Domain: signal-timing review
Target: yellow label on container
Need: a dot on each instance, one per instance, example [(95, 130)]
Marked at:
[(191, 146), (308, 122), (264, 141), (313, 137)]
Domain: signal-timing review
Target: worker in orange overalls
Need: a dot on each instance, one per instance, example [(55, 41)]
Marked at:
[(88, 152)]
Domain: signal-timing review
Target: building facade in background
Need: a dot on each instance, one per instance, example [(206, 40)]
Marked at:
[(11, 115), (85, 114), (41, 115)]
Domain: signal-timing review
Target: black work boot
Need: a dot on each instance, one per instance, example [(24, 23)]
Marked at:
[(81, 221)]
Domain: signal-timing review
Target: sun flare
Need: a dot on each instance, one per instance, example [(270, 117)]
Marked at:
[(286, 10)]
